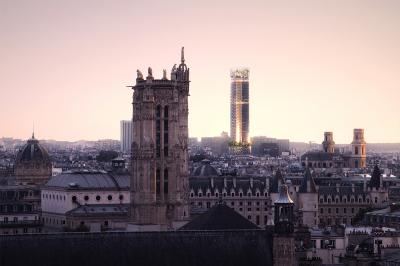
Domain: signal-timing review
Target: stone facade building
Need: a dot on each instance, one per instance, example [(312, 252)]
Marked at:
[(159, 183), (19, 210), (329, 157), (98, 201), (247, 196)]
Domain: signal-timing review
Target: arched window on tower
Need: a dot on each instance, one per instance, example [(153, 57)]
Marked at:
[(166, 181), (356, 150), (166, 116), (158, 183), (158, 130)]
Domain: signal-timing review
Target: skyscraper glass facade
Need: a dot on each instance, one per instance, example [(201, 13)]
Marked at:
[(240, 105)]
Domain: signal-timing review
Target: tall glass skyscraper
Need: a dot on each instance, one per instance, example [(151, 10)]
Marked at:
[(240, 105), (126, 135)]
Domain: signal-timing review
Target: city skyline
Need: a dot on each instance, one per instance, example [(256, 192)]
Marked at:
[(315, 67)]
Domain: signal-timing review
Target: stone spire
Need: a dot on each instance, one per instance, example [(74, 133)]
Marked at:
[(307, 184), (33, 130), (183, 55)]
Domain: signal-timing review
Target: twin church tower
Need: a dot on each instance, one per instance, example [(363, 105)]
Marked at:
[(159, 182)]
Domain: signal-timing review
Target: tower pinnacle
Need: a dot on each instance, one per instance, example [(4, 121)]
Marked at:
[(183, 55), (33, 130)]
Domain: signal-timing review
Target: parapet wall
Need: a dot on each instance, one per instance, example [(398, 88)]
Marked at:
[(203, 248)]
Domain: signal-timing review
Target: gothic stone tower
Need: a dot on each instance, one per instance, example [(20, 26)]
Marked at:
[(328, 144), (159, 182), (358, 150), (283, 243)]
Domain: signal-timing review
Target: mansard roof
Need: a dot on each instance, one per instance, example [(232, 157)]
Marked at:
[(220, 217), (341, 191), (243, 183), (308, 178), (318, 156)]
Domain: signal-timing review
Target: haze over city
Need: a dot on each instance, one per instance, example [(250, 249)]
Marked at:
[(315, 66)]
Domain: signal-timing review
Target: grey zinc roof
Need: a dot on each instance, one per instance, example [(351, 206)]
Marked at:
[(84, 180), (343, 190)]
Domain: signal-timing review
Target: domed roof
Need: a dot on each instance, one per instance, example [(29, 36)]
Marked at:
[(32, 151), (205, 169)]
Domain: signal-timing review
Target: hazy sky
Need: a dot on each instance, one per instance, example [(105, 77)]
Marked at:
[(315, 66)]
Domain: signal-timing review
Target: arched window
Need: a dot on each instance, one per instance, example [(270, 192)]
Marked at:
[(166, 181), (356, 150), (166, 117), (158, 130), (158, 182)]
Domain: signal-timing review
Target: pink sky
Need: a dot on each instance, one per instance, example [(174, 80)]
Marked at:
[(315, 66)]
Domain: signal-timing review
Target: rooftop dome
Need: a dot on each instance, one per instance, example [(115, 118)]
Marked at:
[(205, 169), (32, 152), (32, 164)]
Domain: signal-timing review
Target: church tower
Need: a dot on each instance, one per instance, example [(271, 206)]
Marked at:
[(159, 182), (358, 150), (328, 144), (283, 242)]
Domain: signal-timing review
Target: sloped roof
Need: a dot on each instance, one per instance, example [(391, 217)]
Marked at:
[(89, 180), (308, 178), (32, 151), (241, 183), (205, 169), (219, 217), (278, 178)]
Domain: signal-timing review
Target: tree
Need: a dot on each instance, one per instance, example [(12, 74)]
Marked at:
[(106, 156)]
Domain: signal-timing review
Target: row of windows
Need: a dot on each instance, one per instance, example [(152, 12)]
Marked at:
[(15, 219), (53, 221), (344, 210), (337, 221), (232, 204), (53, 196), (98, 197), (318, 165), (233, 194), (24, 231), (344, 200), (16, 208), (383, 219), (75, 198)]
